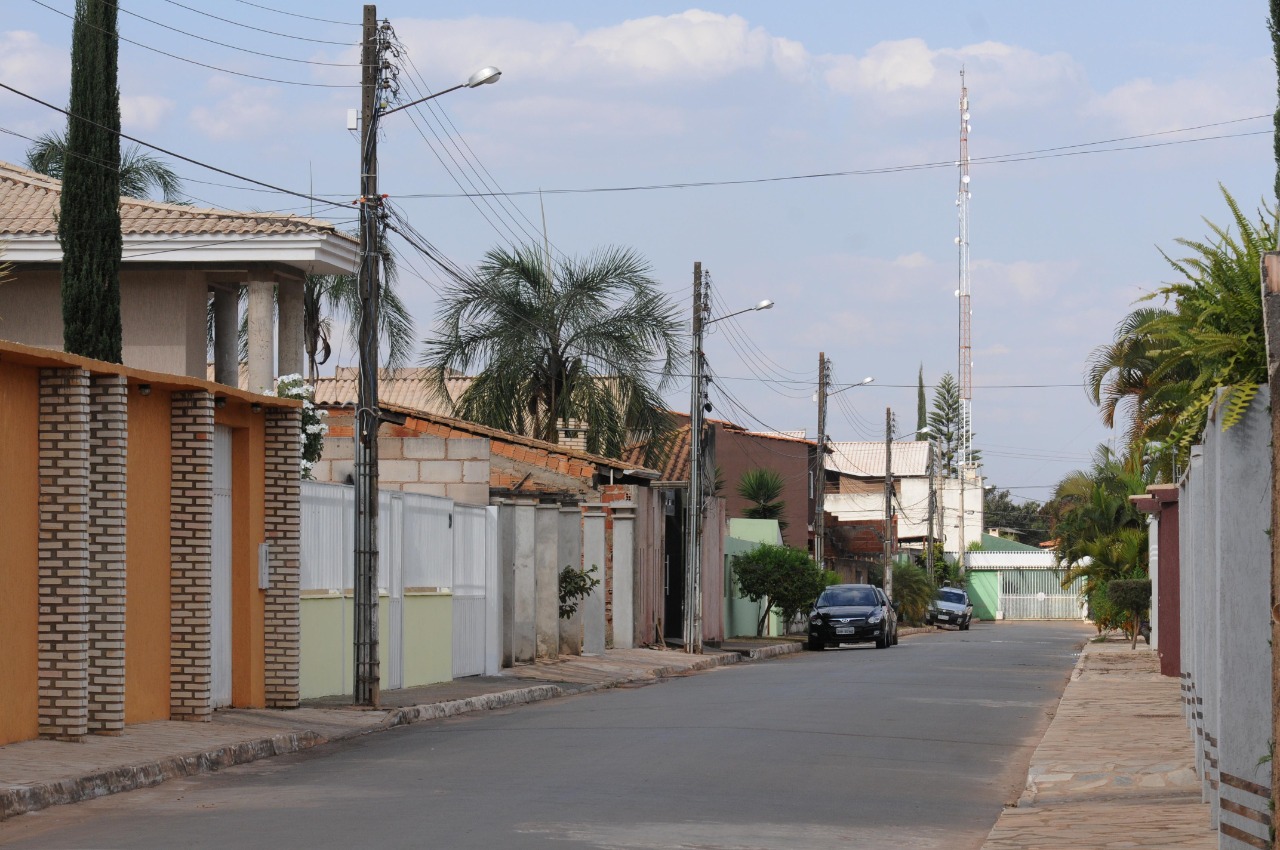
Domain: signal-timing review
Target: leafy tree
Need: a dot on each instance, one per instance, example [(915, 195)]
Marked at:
[(89, 215), (1133, 596), (913, 590), (140, 172), (583, 343), (1026, 518), (1166, 365), (763, 488), (945, 424), (782, 577)]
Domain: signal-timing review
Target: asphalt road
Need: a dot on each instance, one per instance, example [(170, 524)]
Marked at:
[(915, 746)]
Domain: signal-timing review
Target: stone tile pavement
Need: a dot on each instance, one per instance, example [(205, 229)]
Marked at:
[(1116, 765)]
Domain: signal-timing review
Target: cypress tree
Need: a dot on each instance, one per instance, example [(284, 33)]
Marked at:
[(922, 410), (89, 218), (1273, 25)]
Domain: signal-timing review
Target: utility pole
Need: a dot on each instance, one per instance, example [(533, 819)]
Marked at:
[(697, 397), (928, 552), (367, 675), (820, 463), (888, 503)]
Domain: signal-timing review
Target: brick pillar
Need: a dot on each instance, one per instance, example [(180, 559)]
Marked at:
[(108, 441), (283, 526), (191, 551), (64, 554)]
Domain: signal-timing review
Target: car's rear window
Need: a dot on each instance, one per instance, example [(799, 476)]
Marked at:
[(956, 596), (848, 596)]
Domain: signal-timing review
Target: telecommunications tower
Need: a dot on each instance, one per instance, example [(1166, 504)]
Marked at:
[(963, 294)]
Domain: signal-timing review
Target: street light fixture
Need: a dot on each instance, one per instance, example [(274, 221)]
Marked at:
[(697, 491), (375, 80), (820, 462)]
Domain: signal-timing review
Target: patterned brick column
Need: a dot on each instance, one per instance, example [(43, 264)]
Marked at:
[(64, 553), (283, 527), (191, 551), (108, 442)]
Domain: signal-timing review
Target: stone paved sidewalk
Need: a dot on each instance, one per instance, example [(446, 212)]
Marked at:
[(1116, 766)]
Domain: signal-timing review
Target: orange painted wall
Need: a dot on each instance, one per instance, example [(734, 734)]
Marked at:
[(248, 529), (146, 634), (19, 573)]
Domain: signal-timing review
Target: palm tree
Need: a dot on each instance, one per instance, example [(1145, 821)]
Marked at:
[(591, 340), (140, 172), (1166, 365), (763, 488)]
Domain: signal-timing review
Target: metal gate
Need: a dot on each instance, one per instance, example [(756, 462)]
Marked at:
[(220, 579), (469, 609), (1038, 595)]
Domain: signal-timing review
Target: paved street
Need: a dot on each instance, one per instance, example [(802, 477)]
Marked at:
[(915, 746)]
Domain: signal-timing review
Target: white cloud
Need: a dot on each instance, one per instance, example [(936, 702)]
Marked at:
[(143, 112), (908, 75), (239, 112), (29, 64), (1146, 106)]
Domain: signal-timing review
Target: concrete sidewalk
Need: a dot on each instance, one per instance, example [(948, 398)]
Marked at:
[(1116, 767), (37, 774)]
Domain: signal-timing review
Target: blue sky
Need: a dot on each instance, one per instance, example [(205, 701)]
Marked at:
[(599, 95)]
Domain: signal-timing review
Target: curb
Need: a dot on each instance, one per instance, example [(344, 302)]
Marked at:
[(1027, 799), (16, 800)]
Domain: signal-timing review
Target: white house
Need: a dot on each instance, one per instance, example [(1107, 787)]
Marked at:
[(857, 492)]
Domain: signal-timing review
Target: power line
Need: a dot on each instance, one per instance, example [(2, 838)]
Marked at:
[(201, 64), (995, 159), (290, 14), (270, 32)]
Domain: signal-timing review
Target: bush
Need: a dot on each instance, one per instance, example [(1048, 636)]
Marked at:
[(1130, 598), (912, 589), (1104, 614), (783, 577), (575, 585)]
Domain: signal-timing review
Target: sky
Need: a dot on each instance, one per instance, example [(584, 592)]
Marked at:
[(1112, 126)]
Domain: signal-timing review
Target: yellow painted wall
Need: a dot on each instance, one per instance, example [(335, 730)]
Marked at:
[(146, 630), (19, 573), (428, 638), (325, 654)]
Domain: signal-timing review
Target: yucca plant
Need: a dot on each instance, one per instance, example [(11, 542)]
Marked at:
[(763, 488)]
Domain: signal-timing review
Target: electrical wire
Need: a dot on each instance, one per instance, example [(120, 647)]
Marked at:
[(271, 32), (198, 63), (291, 14)]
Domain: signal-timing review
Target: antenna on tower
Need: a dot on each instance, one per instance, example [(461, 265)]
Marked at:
[(966, 314)]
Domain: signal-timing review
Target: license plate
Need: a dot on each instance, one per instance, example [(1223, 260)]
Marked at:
[(844, 630), (944, 616)]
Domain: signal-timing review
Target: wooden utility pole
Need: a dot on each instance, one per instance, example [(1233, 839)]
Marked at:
[(888, 503), (820, 464), (693, 558), (367, 675), (928, 552)]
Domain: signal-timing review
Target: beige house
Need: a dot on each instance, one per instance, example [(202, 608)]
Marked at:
[(176, 259)]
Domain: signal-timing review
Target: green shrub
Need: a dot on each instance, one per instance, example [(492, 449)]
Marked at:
[(912, 589), (783, 577), (1130, 598), (575, 585)]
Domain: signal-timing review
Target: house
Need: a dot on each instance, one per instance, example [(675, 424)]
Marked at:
[(1008, 580), (856, 491), (179, 264), (150, 565)]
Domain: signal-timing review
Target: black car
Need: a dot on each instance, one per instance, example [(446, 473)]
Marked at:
[(852, 613), (951, 607)]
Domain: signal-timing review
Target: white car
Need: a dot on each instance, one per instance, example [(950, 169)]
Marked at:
[(951, 607)]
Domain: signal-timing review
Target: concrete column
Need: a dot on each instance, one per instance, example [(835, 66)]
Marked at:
[(506, 571), (593, 552), (226, 330), (523, 548), (261, 336), (570, 546), (290, 356), (624, 575), (547, 580)]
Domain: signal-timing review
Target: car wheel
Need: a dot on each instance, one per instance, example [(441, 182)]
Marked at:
[(895, 637), (816, 645), (882, 641)]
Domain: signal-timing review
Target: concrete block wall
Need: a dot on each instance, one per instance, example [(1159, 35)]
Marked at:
[(1224, 583), (191, 551), (282, 618), (453, 467), (63, 679), (108, 477)]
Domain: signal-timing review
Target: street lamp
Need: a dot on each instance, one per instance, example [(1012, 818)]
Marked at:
[(697, 491), (375, 80)]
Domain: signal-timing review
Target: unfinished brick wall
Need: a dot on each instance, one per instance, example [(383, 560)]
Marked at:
[(283, 530), (191, 551), (108, 473), (63, 678)]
